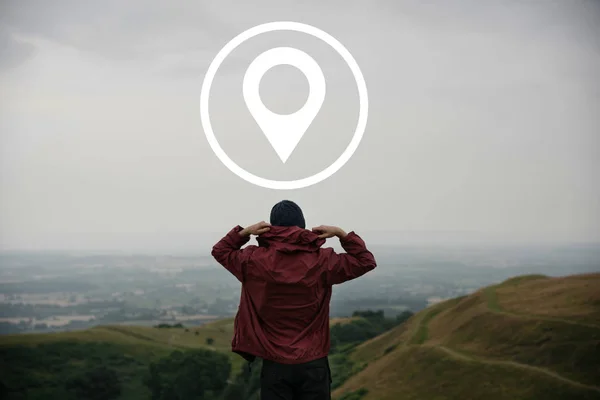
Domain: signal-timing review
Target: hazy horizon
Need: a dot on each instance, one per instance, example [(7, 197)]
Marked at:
[(483, 124), (200, 243)]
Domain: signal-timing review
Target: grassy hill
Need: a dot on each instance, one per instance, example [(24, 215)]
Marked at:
[(41, 363), (36, 360), (530, 337)]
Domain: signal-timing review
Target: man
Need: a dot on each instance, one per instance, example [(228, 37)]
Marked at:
[(283, 316)]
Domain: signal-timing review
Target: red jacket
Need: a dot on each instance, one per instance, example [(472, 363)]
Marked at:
[(283, 314)]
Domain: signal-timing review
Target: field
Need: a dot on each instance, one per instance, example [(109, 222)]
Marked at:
[(127, 349), (530, 337), (39, 362)]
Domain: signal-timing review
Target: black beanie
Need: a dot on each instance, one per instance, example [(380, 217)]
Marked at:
[(287, 213)]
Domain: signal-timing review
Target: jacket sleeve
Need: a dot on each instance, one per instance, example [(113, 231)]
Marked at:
[(229, 253), (357, 260)]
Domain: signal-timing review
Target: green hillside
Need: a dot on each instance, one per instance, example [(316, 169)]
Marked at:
[(47, 365), (530, 337), (41, 362)]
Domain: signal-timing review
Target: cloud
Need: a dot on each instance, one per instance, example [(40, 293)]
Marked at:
[(176, 40), (482, 118), (115, 29), (13, 51)]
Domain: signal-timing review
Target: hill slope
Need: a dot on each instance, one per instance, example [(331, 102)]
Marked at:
[(530, 337), (38, 365)]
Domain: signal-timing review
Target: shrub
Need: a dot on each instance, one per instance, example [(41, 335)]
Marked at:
[(193, 374), (390, 349), (99, 383), (356, 395)]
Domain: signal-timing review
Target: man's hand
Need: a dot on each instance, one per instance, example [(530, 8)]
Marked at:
[(326, 232), (256, 229)]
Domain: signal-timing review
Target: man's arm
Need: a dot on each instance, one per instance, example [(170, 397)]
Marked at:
[(357, 260), (229, 253)]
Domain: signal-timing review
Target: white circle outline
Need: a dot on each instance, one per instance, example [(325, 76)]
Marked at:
[(362, 113)]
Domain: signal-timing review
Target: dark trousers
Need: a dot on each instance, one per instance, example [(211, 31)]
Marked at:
[(308, 381)]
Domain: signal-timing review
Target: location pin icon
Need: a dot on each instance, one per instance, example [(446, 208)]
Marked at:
[(284, 131)]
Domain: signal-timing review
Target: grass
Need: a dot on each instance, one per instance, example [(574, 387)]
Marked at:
[(529, 337), (422, 332), (356, 395), (517, 280), (575, 299), (376, 347), (129, 349), (468, 357), (492, 299), (414, 330), (421, 372), (41, 370)]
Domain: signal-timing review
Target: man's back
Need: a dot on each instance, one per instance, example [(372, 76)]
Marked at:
[(283, 316), (286, 289)]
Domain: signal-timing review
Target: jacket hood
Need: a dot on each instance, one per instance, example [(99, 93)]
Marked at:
[(289, 239)]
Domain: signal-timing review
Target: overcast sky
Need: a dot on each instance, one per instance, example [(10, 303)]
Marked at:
[(484, 121)]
